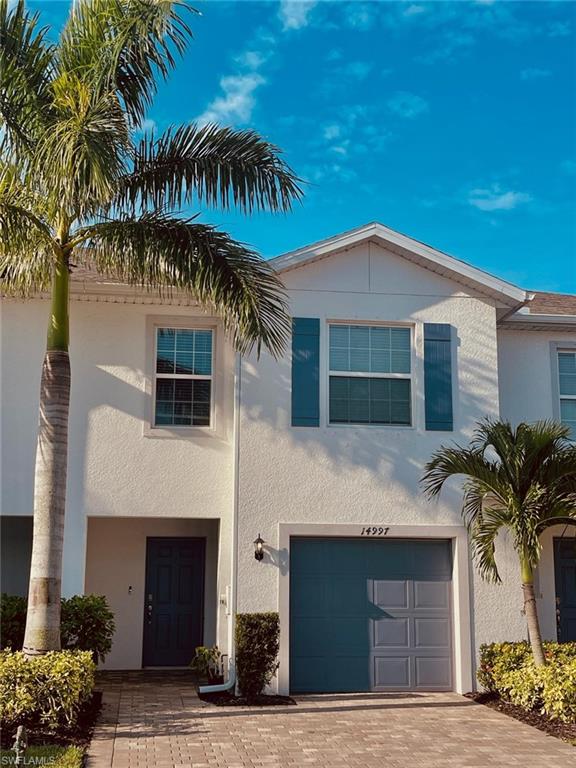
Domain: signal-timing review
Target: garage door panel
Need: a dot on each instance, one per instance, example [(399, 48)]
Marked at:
[(309, 635), (390, 595), (349, 595), (375, 616), (392, 672), (431, 594), (430, 561), (349, 635), (399, 556), (310, 594), (431, 633), (433, 673), (392, 633), (310, 674)]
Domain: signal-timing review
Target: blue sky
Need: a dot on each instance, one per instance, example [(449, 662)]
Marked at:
[(453, 122)]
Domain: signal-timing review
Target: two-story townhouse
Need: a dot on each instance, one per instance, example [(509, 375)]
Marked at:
[(181, 455)]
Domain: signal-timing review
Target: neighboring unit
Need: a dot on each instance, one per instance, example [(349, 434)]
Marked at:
[(181, 454)]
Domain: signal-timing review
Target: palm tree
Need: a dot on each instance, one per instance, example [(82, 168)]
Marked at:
[(81, 183), (523, 480)]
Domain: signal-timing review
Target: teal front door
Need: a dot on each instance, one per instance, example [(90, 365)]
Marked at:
[(565, 577), (174, 598)]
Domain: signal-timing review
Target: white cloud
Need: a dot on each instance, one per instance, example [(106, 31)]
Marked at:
[(360, 16), (332, 132), (559, 29), (534, 73), (147, 125), (294, 14), (356, 70), (414, 10), (495, 198), (237, 103), (407, 104)]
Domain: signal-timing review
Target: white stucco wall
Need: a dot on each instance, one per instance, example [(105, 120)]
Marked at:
[(528, 391), (115, 469), (365, 475)]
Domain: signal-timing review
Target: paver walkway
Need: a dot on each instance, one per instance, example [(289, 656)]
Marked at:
[(155, 720)]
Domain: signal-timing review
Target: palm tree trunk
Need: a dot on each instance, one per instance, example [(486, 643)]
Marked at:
[(43, 617), (531, 613)]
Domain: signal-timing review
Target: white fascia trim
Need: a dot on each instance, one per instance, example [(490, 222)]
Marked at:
[(531, 320), (461, 596), (376, 231)]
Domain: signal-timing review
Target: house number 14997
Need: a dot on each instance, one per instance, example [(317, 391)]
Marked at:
[(372, 530)]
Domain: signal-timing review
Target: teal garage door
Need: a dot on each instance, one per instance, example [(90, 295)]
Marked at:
[(370, 615)]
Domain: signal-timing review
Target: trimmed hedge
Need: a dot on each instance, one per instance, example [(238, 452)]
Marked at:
[(508, 670), (45, 691), (257, 645), (12, 621), (86, 624)]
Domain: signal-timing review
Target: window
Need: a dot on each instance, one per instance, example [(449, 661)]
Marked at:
[(567, 381), (369, 380), (183, 377)]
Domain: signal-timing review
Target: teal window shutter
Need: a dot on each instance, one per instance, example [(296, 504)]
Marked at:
[(305, 372), (438, 376)]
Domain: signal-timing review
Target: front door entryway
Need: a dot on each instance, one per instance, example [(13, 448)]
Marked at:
[(173, 609), (565, 577)]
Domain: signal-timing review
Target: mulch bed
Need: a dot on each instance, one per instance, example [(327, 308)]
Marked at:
[(564, 731), (79, 736), (226, 699)]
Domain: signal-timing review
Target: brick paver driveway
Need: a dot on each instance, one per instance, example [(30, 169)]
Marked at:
[(155, 720)]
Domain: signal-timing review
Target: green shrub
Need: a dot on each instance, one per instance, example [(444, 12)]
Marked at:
[(87, 624), (12, 621), (207, 662), (257, 645), (508, 669), (46, 691)]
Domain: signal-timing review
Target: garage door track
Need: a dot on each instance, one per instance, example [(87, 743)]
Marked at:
[(155, 720)]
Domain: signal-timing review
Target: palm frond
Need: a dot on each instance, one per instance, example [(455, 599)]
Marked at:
[(215, 165), (483, 535), (80, 159), (449, 462), (124, 45), (157, 250), (26, 70)]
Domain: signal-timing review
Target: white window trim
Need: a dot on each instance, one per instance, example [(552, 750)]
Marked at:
[(367, 375), (174, 430), (555, 348)]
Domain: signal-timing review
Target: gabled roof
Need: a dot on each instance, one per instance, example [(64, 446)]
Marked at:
[(413, 250)]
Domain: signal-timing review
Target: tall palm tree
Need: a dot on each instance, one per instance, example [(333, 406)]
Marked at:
[(521, 479), (79, 182)]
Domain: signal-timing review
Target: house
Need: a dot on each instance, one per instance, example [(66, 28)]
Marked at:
[(181, 455)]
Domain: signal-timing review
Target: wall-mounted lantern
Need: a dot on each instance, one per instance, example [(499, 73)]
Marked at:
[(259, 548)]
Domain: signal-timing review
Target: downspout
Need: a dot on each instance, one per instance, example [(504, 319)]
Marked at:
[(231, 682)]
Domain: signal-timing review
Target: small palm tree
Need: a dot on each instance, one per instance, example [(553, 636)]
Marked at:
[(523, 480), (79, 182)]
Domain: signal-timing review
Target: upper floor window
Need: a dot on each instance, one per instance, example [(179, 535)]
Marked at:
[(567, 381), (183, 379), (369, 379)]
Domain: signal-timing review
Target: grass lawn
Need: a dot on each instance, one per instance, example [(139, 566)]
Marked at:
[(57, 757)]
